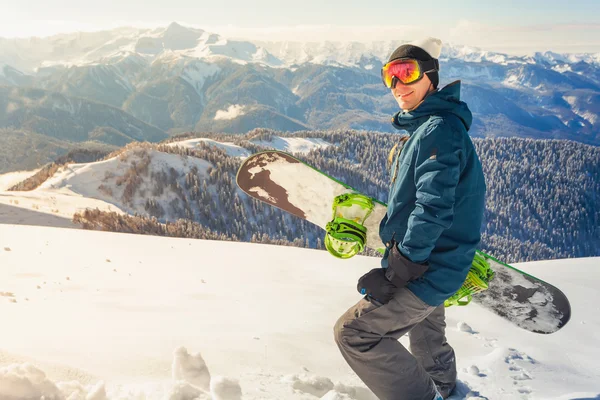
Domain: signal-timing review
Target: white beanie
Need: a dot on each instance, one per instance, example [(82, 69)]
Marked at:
[(431, 45)]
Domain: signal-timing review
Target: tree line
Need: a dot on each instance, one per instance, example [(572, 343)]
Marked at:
[(542, 199)]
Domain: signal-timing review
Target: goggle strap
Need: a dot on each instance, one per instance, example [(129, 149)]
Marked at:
[(430, 66)]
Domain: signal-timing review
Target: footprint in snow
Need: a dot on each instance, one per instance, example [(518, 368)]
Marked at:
[(322, 387), (9, 295), (515, 359), (474, 370), (464, 327), (315, 385), (353, 392), (491, 342)]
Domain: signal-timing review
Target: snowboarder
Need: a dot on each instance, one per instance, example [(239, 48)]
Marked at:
[(431, 229)]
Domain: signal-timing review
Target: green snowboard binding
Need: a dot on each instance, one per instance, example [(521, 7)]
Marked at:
[(478, 278), (346, 235)]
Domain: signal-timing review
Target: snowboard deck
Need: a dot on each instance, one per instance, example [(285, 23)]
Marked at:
[(283, 181)]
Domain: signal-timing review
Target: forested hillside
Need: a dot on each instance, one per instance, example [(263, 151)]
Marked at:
[(542, 200)]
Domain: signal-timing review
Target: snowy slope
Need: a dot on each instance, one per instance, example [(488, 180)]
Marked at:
[(103, 184), (45, 207), (10, 179), (230, 148), (116, 316), (292, 144), (123, 183), (106, 180), (135, 182), (289, 144), (193, 71)]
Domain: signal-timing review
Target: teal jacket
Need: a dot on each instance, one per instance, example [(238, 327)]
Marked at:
[(437, 194)]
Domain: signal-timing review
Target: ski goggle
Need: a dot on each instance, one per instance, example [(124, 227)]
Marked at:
[(407, 71)]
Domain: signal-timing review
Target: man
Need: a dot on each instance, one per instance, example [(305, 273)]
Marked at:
[(431, 229)]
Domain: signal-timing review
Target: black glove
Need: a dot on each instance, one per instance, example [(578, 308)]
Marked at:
[(375, 285), (382, 283), (400, 269)]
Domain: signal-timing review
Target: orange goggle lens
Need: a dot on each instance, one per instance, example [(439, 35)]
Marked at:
[(406, 71)]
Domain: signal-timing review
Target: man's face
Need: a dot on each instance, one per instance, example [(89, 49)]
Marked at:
[(408, 96)]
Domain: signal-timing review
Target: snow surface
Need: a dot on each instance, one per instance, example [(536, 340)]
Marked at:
[(194, 71), (231, 149), (45, 207), (293, 144), (10, 179), (588, 116), (96, 315), (99, 180), (76, 187)]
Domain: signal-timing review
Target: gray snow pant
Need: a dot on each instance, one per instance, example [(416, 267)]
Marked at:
[(367, 335)]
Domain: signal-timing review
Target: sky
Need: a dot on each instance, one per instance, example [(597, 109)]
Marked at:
[(518, 27)]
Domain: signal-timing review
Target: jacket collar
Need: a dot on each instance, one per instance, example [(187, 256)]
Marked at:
[(444, 100)]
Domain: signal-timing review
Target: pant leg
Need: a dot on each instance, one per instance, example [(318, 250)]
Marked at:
[(429, 346), (367, 336)]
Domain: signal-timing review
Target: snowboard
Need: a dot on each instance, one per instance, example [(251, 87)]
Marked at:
[(283, 181)]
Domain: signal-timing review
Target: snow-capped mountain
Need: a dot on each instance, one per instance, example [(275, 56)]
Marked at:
[(356, 54), (12, 76), (82, 48), (180, 79), (553, 58), (79, 49)]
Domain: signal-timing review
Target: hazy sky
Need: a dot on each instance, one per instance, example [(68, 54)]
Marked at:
[(512, 26)]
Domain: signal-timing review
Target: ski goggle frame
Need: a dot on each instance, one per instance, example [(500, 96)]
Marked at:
[(407, 71)]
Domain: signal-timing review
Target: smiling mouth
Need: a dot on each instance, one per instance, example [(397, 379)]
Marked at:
[(403, 96)]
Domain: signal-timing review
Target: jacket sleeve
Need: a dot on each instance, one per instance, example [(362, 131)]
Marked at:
[(437, 171)]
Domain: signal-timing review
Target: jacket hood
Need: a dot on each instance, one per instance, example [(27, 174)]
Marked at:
[(446, 100)]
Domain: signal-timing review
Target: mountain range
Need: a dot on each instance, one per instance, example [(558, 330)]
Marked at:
[(145, 84)]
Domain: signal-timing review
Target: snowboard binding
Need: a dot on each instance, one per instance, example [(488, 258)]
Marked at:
[(346, 235), (478, 279)]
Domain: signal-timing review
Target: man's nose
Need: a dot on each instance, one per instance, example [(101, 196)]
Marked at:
[(397, 84), (399, 87)]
